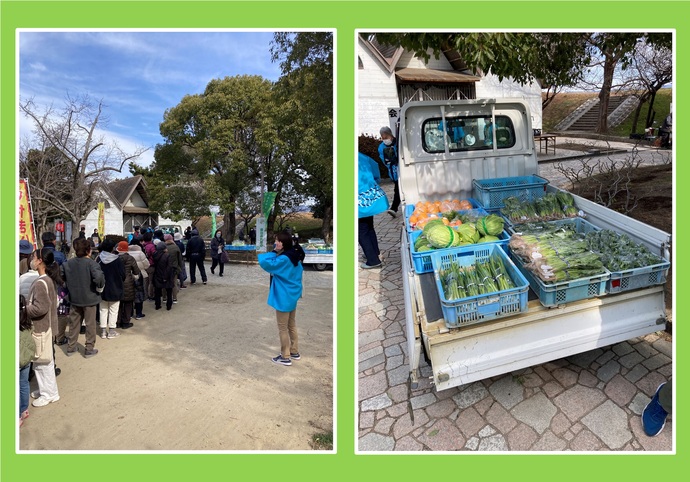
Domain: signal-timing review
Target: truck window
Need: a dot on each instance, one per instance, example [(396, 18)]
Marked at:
[(466, 133)]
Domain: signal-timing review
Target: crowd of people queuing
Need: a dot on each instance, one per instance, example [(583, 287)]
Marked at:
[(99, 286)]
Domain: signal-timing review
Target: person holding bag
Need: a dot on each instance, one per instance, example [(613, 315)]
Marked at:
[(371, 200), (42, 311)]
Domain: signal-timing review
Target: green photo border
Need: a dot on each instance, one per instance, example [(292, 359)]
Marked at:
[(345, 17)]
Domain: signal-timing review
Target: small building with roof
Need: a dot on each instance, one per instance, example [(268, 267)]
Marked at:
[(389, 76), (126, 205)]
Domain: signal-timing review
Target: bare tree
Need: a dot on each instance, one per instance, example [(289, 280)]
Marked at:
[(86, 156), (248, 206)]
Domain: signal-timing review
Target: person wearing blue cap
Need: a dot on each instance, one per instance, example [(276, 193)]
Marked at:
[(26, 249)]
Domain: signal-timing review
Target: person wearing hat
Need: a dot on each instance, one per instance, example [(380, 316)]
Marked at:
[(25, 251), (132, 273), (176, 262), (163, 276), (114, 271), (48, 239), (388, 153), (196, 250)]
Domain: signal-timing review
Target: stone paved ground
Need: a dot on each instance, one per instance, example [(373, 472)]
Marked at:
[(588, 402)]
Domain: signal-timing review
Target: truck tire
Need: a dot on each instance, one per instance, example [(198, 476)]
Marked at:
[(320, 266)]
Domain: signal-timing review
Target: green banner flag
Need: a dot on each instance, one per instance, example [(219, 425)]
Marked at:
[(269, 198)]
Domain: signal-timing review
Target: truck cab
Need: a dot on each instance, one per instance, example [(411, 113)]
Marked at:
[(443, 147)]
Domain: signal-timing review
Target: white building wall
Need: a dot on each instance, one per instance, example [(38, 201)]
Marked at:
[(410, 60), (113, 221), (136, 200), (376, 93), (489, 87)]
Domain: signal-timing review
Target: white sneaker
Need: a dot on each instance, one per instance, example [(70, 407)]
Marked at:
[(35, 394), (112, 333), (104, 333), (43, 401)]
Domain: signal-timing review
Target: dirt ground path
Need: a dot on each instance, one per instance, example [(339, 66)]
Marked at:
[(198, 377)]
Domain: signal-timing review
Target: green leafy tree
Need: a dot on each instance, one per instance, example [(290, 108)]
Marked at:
[(305, 120), (211, 137)]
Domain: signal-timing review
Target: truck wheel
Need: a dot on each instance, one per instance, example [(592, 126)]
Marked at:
[(320, 266)]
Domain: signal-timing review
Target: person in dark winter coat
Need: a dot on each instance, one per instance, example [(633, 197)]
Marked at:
[(163, 276), (132, 274), (85, 282), (180, 245), (149, 249), (114, 271), (48, 240), (217, 247), (196, 250), (176, 262)]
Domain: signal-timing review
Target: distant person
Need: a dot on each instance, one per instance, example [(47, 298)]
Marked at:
[(132, 274), (285, 267), (28, 278), (48, 240), (183, 269), (134, 234), (113, 269), (163, 276), (252, 236), (655, 413), (176, 263), (665, 131), (141, 284), (82, 232), (217, 247), (188, 233), (388, 153), (149, 250), (96, 238), (85, 282), (371, 200), (196, 250), (41, 308)]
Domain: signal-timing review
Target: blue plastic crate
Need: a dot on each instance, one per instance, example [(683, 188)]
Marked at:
[(422, 261), (638, 278), (581, 226), (478, 309), (491, 192), (555, 294), (409, 209)]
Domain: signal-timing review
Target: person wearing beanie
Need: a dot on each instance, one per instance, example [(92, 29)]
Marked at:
[(176, 263), (217, 247), (163, 276), (132, 274), (196, 250), (388, 153), (140, 285), (114, 271)]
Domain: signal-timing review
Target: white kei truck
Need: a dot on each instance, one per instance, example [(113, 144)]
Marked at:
[(436, 166)]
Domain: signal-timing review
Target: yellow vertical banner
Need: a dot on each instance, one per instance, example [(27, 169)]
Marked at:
[(101, 220), (26, 218)]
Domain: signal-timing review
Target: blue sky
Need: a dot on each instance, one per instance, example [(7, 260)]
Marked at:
[(138, 75)]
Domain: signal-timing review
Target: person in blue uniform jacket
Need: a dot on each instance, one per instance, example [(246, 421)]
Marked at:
[(388, 153), (284, 264), (371, 200)]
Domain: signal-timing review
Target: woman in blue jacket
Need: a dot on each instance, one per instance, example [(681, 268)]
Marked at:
[(285, 266), (371, 200)]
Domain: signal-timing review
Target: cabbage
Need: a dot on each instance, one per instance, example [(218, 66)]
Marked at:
[(424, 247), (490, 225), (488, 239), (468, 233), (440, 236), (421, 241), (431, 224)]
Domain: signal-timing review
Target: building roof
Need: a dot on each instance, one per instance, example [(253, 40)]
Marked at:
[(122, 190), (387, 55), (434, 76)]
